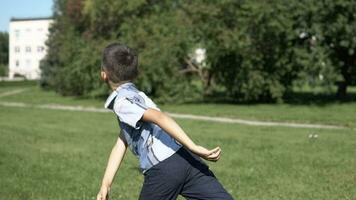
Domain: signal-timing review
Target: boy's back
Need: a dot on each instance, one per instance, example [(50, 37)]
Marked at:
[(146, 140), (164, 150)]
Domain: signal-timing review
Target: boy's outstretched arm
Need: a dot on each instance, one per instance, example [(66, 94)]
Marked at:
[(173, 129), (116, 156)]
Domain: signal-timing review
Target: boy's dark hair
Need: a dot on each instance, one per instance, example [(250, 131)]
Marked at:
[(120, 63)]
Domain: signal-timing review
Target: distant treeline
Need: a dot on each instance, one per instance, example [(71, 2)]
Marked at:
[(255, 50)]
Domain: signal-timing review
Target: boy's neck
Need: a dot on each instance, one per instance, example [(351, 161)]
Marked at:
[(114, 86)]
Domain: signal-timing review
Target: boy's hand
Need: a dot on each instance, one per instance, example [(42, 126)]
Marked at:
[(210, 155), (103, 193)]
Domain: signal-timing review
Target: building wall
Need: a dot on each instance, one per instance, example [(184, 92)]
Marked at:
[(27, 46)]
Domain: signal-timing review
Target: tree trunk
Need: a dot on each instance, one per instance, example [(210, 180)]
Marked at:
[(342, 90), (346, 73)]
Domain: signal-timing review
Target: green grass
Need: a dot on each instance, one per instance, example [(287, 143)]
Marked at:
[(337, 113), (32, 94), (26, 83), (62, 155), (50, 154)]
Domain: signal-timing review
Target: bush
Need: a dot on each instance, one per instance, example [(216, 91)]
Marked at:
[(3, 70)]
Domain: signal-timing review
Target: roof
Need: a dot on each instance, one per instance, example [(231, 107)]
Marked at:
[(13, 19)]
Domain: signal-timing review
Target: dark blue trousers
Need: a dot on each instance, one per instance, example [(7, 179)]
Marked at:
[(183, 173)]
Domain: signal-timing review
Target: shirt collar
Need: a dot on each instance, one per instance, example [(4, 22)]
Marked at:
[(125, 85), (112, 96)]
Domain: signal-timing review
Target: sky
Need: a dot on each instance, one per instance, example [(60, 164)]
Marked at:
[(23, 9)]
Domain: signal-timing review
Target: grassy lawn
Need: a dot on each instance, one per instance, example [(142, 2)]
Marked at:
[(50, 154), (62, 155), (34, 95), (336, 114), (327, 113)]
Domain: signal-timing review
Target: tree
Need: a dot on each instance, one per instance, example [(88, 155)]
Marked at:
[(339, 39), (149, 27), (4, 52), (327, 30)]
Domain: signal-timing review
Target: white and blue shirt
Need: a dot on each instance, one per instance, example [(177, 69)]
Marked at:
[(147, 141)]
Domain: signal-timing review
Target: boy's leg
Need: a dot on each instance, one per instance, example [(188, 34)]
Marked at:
[(165, 180), (202, 186), (201, 183), (155, 189)]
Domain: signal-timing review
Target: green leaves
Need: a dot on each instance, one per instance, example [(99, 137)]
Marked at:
[(4, 53), (255, 50)]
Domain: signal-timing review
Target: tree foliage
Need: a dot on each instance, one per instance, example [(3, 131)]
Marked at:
[(256, 50), (4, 52)]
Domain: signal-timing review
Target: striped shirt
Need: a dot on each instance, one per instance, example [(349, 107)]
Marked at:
[(146, 140)]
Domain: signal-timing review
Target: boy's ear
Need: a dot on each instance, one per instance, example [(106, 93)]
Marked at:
[(103, 75)]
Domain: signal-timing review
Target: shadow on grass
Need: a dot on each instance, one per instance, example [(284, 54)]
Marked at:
[(18, 83), (310, 98), (294, 98)]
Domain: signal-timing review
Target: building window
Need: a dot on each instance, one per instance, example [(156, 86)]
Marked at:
[(28, 49), (40, 49), (40, 29), (28, 30), (17, 63), (17, 49)]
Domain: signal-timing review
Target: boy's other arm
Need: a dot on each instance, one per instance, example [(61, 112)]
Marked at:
[(116, 156), (173, 129)]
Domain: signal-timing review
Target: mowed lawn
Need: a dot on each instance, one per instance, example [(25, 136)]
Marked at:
[(334, 113), (53, 154)]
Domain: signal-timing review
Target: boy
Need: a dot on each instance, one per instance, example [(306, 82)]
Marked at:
[(169, 159)]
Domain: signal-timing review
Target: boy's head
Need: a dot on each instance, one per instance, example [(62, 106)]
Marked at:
[(119, 63)]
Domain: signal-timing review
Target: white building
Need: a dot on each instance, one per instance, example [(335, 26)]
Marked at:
[(27, 37)]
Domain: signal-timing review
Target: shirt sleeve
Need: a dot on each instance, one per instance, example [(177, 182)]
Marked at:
[(130, 111)]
